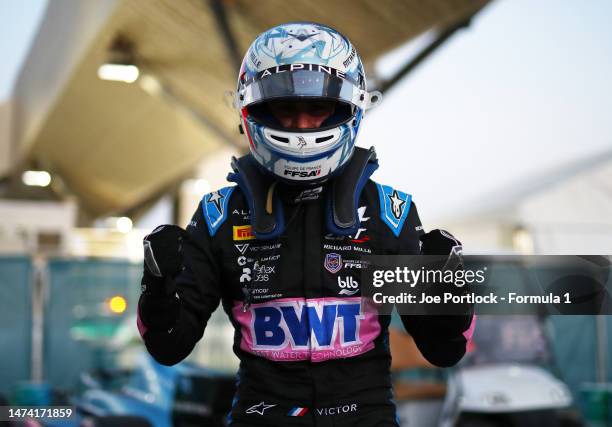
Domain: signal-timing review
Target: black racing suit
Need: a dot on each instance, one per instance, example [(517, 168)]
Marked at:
[(311, 351)]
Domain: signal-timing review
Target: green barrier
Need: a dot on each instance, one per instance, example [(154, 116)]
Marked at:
[(15, 320), (78, 316), (27, 393), (595, 401)]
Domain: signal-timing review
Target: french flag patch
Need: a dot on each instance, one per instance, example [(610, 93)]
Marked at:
[(297, 412)]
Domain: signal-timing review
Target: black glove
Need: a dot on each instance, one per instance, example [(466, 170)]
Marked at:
[(445, 253), (441, 242), (163, 259)]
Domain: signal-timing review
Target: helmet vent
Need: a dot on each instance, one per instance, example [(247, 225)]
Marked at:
[(323, 139), (280, 138)]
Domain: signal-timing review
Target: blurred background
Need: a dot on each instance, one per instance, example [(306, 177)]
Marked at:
[(114, 118)]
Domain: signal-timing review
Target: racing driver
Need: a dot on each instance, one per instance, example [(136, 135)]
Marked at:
[(281, 247)]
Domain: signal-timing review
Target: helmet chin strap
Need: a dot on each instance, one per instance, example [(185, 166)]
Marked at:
[(267, 213)]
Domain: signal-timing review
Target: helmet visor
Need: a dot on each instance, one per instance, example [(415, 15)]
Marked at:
[(315, 81)]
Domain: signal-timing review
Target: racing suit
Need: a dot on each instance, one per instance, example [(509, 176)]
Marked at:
[(311, 351)]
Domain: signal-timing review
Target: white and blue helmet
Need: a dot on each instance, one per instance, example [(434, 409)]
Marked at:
[(308, 62)]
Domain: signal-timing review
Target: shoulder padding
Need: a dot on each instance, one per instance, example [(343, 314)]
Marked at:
[(214, 208), (394, 207)]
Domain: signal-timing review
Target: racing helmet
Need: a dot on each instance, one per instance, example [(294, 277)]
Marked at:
[(305, 63)]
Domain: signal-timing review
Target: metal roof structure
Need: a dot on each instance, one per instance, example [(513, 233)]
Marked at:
[(117, 145)]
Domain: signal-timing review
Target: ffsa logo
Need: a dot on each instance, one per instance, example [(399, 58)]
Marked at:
[(302, 174), (313, 325)]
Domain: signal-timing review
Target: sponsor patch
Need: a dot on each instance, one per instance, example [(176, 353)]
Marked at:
[(317, 329), (297, 412), (336, 410), (246, 275), (355, 263), (243, 214), (243, 232), (260, 408), (242, 247), (360, 236), (302, 173), (270, 258), (342, 248), (265, 247), (394, 207), (333, 262), (310, 194), (348, 286), (214, 206)]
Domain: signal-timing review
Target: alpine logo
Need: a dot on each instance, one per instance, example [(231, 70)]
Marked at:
[(360, 236), (292, 67)]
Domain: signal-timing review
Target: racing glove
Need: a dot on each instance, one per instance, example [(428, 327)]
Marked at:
[(447, 254), (442, 338), (163, 261), (441, 242)]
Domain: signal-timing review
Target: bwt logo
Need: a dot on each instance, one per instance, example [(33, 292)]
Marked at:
[(303, 174), (314, 326)]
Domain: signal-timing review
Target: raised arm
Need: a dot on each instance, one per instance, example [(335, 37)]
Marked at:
[(442, 339), (180, 290)]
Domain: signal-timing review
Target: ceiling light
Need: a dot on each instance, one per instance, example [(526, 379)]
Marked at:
[(124, 224), (119, 72), (36, 178)]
